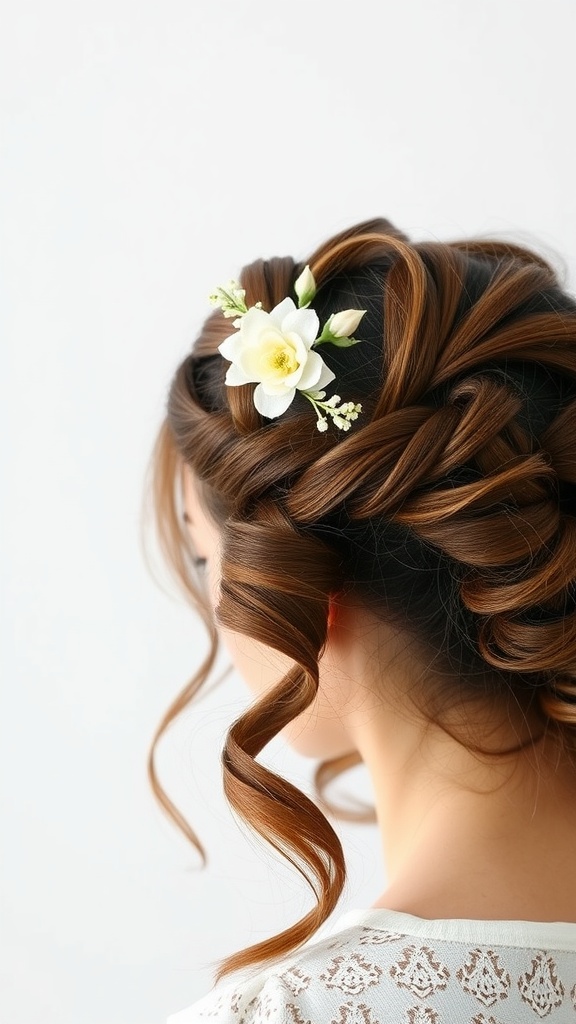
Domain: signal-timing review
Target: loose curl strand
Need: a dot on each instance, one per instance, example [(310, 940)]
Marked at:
[(449, 508)]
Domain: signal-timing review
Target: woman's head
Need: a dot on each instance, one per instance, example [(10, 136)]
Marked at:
[(447, 511)]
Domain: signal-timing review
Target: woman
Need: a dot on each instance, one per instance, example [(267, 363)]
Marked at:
[(371, 455)]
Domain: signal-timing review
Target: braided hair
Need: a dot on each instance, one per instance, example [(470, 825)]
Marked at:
[(449, 507)]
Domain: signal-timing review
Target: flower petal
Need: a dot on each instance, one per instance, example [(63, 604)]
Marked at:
[(302, 355), (325, 377), (272, 387), (272, 405), (231, 346), (312, 372), (281, 311), (235, 375), (304, 322), (253, 323)]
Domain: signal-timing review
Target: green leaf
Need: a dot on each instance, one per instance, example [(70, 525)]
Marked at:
[(339, 342)]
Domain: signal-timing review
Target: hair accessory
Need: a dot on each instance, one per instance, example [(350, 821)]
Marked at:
[(277, 350)]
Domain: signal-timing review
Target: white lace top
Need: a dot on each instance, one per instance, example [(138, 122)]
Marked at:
[(377, 966)]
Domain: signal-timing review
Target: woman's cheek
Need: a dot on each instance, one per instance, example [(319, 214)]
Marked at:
[(260, 666), (317, 732)]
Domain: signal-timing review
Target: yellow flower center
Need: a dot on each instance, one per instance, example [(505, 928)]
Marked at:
[(285, 361), (273, 357), (280, 355)]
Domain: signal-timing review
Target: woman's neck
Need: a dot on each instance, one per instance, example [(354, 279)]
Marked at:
[(463, 835), (463, 838)]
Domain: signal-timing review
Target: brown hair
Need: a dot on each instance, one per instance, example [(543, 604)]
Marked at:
[(449, 507)]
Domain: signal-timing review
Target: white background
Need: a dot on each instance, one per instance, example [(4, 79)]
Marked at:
[(148, 150)]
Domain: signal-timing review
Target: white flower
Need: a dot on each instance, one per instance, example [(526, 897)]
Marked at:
[(274, 349), (305, 287), (343, 324)]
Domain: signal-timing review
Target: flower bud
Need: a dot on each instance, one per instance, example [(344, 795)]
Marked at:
[(305, 287), (343, 324)]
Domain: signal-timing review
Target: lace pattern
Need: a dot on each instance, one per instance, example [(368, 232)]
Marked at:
[(371, 975)]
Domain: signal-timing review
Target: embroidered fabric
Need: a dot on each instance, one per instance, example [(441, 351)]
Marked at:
[(378, 966)]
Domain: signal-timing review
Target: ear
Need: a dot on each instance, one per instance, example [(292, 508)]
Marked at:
[(332, 610)]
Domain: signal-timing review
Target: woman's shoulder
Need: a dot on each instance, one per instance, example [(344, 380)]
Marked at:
[(274, 993), (369, 972)]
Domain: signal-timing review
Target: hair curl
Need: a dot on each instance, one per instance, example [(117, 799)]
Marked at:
[(449, 507)]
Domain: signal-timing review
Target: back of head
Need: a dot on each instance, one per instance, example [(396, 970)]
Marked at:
[(448, 507)]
